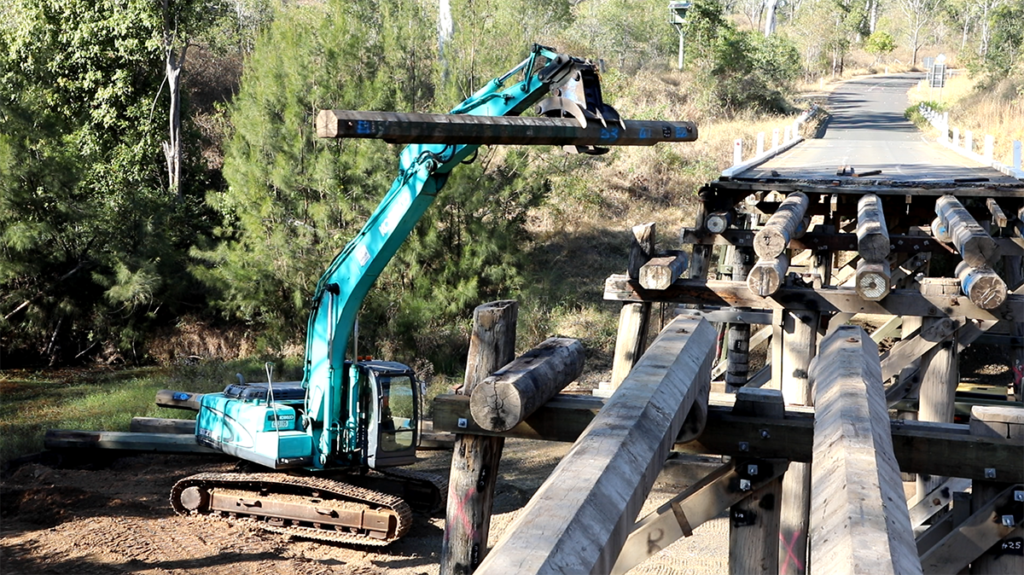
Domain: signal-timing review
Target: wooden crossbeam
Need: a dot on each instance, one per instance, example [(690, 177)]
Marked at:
[(946, 449), (872, 234), (125, 441), (663, 270), (785, 224), (580, 517), (161, 425), (981, 285), (856, 485), (983, 529), (506, 397), (701, 502), (825, 300), (936, 500), (971, 240)]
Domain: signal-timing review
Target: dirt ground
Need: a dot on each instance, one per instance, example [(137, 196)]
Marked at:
[(113, 517)]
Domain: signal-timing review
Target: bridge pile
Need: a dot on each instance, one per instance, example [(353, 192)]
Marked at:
[(817, 464)]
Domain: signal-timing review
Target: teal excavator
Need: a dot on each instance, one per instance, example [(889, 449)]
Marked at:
[(332, 441)]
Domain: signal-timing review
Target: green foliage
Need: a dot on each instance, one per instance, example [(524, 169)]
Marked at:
[(737, 69), (293, 201), (92, 245), (629, 35), (1005, 56), (880, 44)]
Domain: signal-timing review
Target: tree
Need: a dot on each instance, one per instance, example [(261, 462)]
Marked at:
[(92, 246), (880, 44), (918, 15)]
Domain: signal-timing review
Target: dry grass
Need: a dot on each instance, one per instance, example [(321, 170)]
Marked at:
[(984, 108)]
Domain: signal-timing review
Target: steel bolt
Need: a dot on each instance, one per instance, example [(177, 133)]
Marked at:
[(745, 486), (463, 423), (765, 434), (1007, 519), (752, 470), (744, 446), (1018, 495), (990, 473)]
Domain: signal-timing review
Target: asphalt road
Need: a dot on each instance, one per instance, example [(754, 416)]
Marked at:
[(867, 131)]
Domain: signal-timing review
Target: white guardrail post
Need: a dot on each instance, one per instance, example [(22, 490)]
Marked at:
[(987, 156)]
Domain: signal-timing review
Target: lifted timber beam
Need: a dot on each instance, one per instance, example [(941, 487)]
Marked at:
[(858, 523), (413, 128), (872, 235), (908, 302), (580, 517)]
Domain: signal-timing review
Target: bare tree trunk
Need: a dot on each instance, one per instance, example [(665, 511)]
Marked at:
[(172, 147), (769, 16)]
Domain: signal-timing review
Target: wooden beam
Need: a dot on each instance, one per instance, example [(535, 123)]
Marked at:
[(982, 285), (857, 489), (999, 218), (823, 241), (701, 502), (873, 280), (824, 300), (936, 500), (160, 425), (580, 517), (768, 275), (662, 271), (475, 458), (630, 340), (983, 529), (125, 441), (508, 396), (178, 399), (946, 449), (641, 247), (974, 244), (771, 240), (419, 128), (872, 234), (1002, 422)]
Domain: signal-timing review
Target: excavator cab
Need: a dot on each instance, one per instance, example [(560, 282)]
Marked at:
[(392, 433)]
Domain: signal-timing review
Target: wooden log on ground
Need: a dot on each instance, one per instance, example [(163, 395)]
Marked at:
[(859, 524), (872, 235), (580, 517), (125, 441), (662, 271), (475, 458), (768, 275), (873, 280), (512, 393), (970, 239), (178, 399), (982, 285), (1001, 422), (161, 425), (784, 224)]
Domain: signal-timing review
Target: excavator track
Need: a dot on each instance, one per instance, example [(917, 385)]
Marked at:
[(307, 507)]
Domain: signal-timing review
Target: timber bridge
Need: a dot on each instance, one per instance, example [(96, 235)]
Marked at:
[(824, 439)]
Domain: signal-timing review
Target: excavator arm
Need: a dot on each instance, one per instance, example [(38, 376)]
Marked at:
[(331, 413)]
